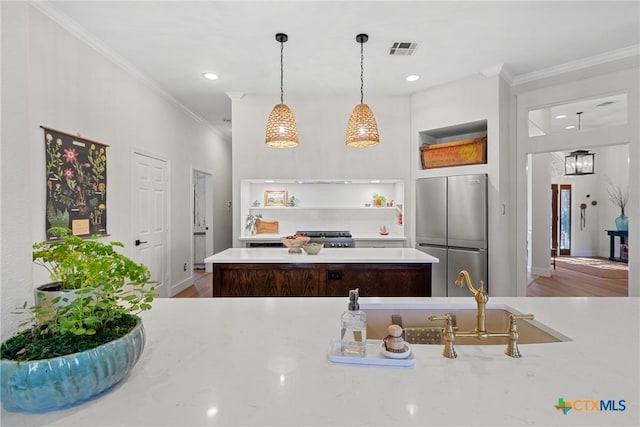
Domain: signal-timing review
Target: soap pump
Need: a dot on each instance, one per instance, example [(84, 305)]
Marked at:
[(353, 335)]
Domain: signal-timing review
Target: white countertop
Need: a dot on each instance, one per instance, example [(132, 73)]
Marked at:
[(326, 255), (355, 236), (263, 361)]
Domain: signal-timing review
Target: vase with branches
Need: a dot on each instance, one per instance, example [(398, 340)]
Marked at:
[(619, 196)]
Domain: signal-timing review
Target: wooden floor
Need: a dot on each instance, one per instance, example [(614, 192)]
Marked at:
[(562, 283), (202, 286), (569, 283)]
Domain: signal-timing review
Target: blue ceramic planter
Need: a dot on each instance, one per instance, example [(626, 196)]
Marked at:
[(41, 385)]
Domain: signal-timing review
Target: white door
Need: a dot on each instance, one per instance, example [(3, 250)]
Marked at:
[(150, 225)]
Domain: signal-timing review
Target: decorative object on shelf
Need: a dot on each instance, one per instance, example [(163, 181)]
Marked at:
[(291, 201), (456, 153), (282, 131), (255, 203), (378, 200), (75, 350), (267, 227), (252, 223), (362, 130), (76, 173), (384, 231), (275, 198), (295, 242), (624, 252), (619, 196)]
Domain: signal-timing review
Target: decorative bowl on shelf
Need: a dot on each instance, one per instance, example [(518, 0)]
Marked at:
[(295, 242), (312, 248)]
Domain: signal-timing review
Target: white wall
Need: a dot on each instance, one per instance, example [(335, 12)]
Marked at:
[(69, 86), (322, 153), (15, 157), (469, 100), (541, 196)]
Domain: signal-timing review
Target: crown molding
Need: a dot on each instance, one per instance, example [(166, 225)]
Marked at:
[(611, 56), (80, 33)]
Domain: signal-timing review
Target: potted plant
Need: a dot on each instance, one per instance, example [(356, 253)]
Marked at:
[(378, 199), (619, 197), (73, 351), (252, 222)]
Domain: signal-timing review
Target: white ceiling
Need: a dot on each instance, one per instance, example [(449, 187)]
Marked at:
[(172, 43)]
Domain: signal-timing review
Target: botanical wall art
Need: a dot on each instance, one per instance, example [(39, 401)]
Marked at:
[(76, 171)]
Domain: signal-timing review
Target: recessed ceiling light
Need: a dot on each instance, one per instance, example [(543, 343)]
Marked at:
[(269, 181), (210, 76), (561, 116), (570, 127), (375, 181), (413, 78)]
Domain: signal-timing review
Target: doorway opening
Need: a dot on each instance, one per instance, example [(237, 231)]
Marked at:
[(202, 215)]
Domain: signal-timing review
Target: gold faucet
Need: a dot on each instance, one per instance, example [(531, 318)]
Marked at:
[(481, 298), (480, 332)]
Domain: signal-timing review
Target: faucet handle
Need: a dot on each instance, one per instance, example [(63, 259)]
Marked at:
[(512, 346), (449, 336)]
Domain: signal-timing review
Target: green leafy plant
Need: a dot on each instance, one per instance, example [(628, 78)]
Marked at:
[(252, 221), (111, 289), (379, 199)]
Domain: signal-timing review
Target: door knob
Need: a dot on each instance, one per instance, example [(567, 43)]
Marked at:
[(139, 242)]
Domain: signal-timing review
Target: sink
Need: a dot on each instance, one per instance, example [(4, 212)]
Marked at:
[(497, 320)]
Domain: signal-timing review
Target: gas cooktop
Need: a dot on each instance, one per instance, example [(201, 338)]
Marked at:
[(330, 239)]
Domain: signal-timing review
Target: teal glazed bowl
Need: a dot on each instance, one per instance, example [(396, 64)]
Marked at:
[(41, 385)]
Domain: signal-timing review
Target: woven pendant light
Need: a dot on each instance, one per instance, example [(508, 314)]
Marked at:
[(362, 129), (282, 131)]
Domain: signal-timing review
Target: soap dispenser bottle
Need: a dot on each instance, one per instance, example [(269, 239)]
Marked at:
[(353, 335)]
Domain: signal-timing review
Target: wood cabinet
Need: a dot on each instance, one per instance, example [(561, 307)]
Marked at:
[(317, 280)]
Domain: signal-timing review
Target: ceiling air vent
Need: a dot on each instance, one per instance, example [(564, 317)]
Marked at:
[(402, 48)]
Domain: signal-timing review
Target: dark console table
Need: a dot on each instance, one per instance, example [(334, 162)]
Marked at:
[(623, 238)]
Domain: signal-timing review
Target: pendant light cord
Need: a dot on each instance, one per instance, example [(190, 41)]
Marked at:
[(361, 72), (281, 73)]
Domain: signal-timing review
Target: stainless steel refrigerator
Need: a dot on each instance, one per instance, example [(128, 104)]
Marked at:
[(451, 224)]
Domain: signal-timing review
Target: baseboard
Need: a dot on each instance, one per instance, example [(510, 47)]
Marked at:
[(540, 271), (177, 288)]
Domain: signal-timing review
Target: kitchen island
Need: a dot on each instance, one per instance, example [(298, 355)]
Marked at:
[(263, 361), (269, 272)]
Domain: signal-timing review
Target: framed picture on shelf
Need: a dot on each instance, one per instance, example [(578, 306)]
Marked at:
[(275, 198)]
